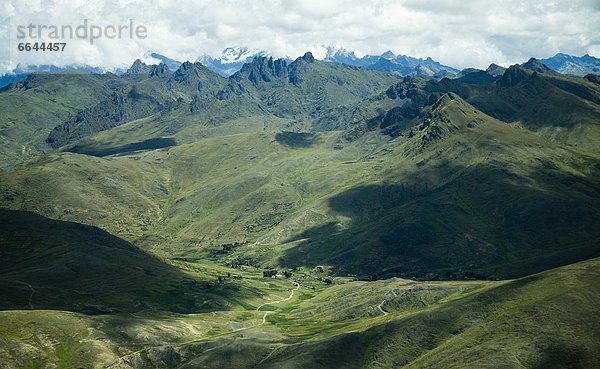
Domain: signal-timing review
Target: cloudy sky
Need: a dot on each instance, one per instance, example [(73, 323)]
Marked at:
[(463, 33)]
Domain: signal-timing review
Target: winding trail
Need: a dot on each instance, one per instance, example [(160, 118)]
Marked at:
[(264, 320), (381, 308)]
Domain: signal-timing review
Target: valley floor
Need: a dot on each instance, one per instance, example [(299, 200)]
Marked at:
[(547, 320)]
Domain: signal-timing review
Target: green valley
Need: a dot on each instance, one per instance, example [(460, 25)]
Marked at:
[(300, 214)]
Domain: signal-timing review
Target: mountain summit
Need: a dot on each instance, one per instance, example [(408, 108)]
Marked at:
[(535, 65), (231, 60), (151, 57)]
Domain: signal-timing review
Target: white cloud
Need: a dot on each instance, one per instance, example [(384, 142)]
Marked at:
[(459, 33)]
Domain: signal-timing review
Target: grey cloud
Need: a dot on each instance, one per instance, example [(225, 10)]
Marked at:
[(515, 46), (460, 33)]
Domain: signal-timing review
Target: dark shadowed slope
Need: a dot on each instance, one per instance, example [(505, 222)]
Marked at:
[(49, 264)]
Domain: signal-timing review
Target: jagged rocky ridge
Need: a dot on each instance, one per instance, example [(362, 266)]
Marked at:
[(265, 84), (323, 92)]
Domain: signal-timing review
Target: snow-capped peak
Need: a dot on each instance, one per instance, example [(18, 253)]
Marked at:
[(205, 58), (389, 55), (150, 58), (153, 58), (237, 54), (340, 52)]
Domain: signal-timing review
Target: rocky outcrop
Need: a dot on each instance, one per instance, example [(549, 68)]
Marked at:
[(120, 107), (161, 70), (514, 75), (138, 67), (535, 65)]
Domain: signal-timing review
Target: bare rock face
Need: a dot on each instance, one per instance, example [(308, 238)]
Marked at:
[(138, 67), (514, 75), (536, 66)]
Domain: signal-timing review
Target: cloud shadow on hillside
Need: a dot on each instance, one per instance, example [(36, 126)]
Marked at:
[(484, 223), (297, 140), (59, 265), (149, 144)]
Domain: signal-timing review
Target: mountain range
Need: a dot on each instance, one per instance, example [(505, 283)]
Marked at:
[(389, 62), (568, 64), (233, 58), (301, 213)]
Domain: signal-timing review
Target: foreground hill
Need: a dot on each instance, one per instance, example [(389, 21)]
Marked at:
[(49, 264), (547, 320), (541, 321)]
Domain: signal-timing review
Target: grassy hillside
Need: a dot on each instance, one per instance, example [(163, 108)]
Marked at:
[(559, 107), (464, 189), (49, 264), (31, 108), (455, 194), (123, 196), (143, 95), (544, 320)]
